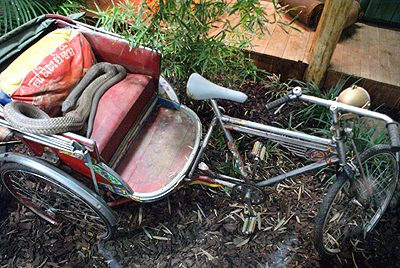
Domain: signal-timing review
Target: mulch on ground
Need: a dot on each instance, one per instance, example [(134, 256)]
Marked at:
[(195, 227)]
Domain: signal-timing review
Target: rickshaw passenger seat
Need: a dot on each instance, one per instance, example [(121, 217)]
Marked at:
[(118, 109)]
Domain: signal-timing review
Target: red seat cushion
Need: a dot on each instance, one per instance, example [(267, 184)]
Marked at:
[(118, 109)]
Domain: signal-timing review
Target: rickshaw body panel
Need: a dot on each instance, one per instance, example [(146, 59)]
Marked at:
[(122, 123)]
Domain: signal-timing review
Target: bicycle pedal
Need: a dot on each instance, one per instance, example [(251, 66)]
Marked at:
[(256, 148), (263, 153), (203, 166), (249, 225)]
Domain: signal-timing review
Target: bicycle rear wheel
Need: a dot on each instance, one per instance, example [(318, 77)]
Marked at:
[(352, 207), (57, 198)]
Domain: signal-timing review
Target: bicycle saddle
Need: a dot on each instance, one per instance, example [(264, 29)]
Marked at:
[(199, 88)]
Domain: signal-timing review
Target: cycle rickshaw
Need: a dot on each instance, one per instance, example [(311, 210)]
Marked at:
[(141, 144)]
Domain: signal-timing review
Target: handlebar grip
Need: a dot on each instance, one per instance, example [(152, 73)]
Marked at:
[(394, 136), (277, 102)]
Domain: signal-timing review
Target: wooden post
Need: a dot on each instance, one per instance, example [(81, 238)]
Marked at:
[(326, 38)]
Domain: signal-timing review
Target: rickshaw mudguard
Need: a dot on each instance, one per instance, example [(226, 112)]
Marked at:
[(161, 155), (65, 179)]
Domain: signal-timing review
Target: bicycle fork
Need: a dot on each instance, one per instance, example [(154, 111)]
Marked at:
[(352, 170)]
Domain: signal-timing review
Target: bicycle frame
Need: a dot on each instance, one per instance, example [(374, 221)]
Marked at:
[(321, 150)]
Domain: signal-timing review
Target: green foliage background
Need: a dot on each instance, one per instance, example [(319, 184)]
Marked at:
[(14, 13), (194, 36)]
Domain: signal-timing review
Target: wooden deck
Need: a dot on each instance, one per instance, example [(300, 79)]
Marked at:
[(364, 51)]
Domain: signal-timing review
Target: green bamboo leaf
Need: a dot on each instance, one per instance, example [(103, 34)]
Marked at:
[(147, 233)]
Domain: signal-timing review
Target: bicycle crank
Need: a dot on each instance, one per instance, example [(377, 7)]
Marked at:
[(244, 192), (250, 195)]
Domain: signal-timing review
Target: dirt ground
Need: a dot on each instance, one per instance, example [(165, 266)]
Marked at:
[(195, 227)]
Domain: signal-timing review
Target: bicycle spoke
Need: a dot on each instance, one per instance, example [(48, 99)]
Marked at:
[(353, 206), (52, 202)]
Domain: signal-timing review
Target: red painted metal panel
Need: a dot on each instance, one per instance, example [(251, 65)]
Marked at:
[(118, 109), (80, 164), (116, 50), (110, 49), (160, 151)]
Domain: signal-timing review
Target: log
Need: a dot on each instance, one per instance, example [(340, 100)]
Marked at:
[(309, 11), (328, 32)]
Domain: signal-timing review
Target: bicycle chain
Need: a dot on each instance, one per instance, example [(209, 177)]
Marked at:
[(240, 192), (237, 193)]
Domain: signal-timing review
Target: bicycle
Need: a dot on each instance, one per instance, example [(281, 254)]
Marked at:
[(153, 145), (365, 184)]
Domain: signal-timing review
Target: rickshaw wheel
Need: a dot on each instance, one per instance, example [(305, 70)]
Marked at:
[(57, 203)]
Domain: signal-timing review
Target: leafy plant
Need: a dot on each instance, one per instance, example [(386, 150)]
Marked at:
[(320, 114), (72, 6), (193, 36), (368, 133), (14, 13), (274, 88)]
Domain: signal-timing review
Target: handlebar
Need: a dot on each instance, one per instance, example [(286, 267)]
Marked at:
[(278, 102), (394, 136), (392, 127)]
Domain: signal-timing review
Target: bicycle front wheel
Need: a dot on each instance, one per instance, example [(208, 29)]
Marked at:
[(57, 202), (353, 206)]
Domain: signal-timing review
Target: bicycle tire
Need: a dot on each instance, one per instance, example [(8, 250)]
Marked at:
[(55, 201), (345, 214)]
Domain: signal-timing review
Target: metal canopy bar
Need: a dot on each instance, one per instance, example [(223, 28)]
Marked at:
[(54, 141)]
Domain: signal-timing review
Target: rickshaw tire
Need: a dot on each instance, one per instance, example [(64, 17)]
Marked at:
[(52, 181)]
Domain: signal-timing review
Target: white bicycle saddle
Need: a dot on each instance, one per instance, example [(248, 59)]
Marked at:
[(199, 88)]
